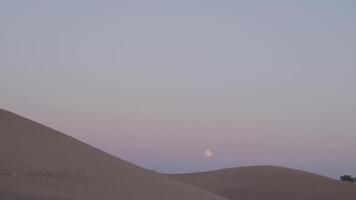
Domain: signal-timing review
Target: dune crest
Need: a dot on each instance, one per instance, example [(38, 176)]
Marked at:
[(269, 183), (39, 163)]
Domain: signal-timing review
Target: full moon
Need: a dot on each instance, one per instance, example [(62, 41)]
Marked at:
[(208, 153)]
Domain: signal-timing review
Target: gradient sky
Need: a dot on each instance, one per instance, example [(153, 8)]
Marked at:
[(157, 82)]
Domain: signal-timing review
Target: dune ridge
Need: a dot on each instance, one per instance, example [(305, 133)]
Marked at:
[(269, 183), (39, 163)]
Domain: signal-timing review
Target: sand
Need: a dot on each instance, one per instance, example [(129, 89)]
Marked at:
[(269, 183), (39, 163)]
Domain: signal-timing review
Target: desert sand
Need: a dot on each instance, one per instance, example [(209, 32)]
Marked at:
[(39, 163), (269, 183)]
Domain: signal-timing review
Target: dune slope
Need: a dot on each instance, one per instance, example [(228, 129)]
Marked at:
[(39, 163), (269, 183)]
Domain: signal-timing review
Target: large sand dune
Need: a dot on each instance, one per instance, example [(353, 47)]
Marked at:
[(39, 163), (269, 183)]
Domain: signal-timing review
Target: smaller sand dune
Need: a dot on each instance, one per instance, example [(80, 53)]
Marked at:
[(269, 183)]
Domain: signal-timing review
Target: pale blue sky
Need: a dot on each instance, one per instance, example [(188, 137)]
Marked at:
[(157, 82)]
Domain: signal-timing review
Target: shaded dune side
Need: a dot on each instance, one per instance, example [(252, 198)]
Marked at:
[(37, 162), (269, 183)]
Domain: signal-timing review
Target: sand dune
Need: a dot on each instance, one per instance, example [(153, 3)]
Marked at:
[(269, 183), (39, 163)]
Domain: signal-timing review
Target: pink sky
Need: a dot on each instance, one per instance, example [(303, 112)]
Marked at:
[(157, 83)]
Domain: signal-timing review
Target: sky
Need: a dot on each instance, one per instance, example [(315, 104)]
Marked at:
[(158, 82)]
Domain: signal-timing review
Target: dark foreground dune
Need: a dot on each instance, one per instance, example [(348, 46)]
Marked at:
[(39, 163), (269, 183)]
